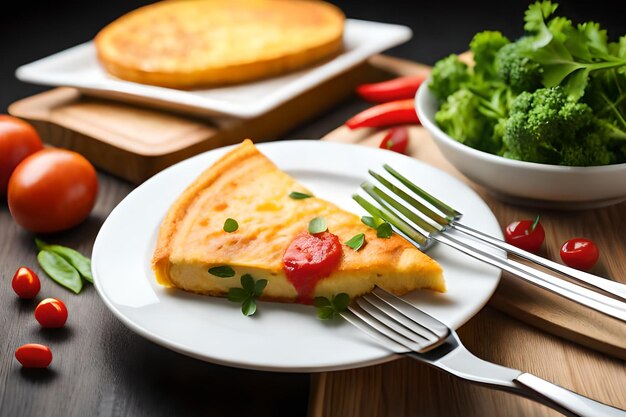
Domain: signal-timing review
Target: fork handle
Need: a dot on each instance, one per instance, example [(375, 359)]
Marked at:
[(567, 401)]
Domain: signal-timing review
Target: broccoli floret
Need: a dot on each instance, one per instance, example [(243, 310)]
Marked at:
[(485, 46), (448, 75), (460, 116), (516, 69), (547, 127)]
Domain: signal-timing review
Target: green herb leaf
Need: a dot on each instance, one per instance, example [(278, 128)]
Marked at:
[(341, 301), (317, 225), (384, 231), (247, 282), (320, 302), (237, 295), (80, 262), (223, 271), (326, 313), (248, 307), (535, 223), (230, 225), (372, 222), (259, 286), (60, 270), (356, 241), (298, 195)]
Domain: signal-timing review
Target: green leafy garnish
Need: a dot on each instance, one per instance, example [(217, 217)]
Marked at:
[(384, 231), (248, 293), (329, 309), (230, 225), (296, 195), (60, 270), (223, 271), (75, 259), (356, 241), (317, 225), (535, 223)]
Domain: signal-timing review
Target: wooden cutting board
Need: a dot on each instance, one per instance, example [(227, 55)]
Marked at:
[(605, 226), (135, 142)]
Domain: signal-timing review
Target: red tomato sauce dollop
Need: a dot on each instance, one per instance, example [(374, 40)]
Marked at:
[(310, 258)]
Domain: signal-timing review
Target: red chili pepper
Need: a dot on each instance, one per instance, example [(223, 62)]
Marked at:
[(397, 140), (396, 89), (397, 112)]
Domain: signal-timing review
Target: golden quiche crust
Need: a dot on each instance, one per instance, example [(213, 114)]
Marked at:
[(246, 186), (200, 43)]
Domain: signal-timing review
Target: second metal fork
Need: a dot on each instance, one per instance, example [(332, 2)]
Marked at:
[(404, 329)]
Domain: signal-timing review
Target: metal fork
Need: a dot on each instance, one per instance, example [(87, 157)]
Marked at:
[(424, 226), (404, 329)]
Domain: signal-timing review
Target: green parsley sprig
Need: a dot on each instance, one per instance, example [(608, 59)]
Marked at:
[(329, 309), (383, 229), (248, 293)]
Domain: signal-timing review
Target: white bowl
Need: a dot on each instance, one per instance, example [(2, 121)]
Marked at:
[(522, 182)]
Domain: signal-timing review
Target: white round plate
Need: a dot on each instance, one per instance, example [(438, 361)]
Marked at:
[(280, 337)]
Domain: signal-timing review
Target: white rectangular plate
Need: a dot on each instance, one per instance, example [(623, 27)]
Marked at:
[(78, 67)]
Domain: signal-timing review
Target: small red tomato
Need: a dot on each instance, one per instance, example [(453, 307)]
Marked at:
[(18, 139), (397, 140), (52, 190), (33, 355), (25, 283), (523, 235), (580, 253), (51, 313)]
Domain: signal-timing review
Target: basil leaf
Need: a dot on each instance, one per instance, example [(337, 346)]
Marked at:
[(230, 225), (237, 295), (223, 271), (259, 286), (356, 241), (60, 270), (298, 196), (341, 301), (248, 307), (317, 225), (247, 282), (320, 302), (74, 258), (372, 222), (384, 231)]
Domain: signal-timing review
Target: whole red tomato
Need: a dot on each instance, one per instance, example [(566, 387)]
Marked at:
[(580, 253), (52, 190), (51, 313), (525, 234), (18, 139), (25, 283)]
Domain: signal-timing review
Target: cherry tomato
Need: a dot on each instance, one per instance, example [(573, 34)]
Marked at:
[(52, 190), (522, 235), (25, 283), (33, 355), (18, 140), (51, 313), (397, 140), (580, 253)]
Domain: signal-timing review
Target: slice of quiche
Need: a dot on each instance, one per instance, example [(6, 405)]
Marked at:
[(269, 237)]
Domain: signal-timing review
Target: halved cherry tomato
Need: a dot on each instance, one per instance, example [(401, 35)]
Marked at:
[(308, 259), (395, 89), (33, 355), (397, 140), (392, 113), (52, 190), (18, 140), (580, 253), (523, 235), (25, 283), (51, 313)]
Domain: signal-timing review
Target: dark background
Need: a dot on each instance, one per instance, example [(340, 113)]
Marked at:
[(30, 30), (129, 375)]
